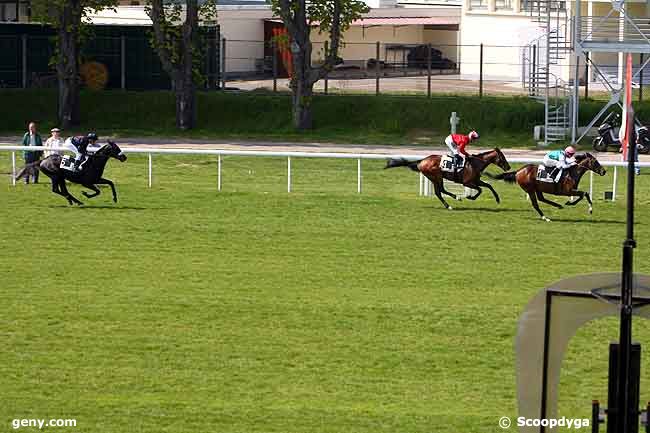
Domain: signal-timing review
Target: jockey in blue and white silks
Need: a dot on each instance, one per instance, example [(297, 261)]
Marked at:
[(559, 160)]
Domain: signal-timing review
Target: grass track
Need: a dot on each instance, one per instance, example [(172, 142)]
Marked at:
[(181, 309)]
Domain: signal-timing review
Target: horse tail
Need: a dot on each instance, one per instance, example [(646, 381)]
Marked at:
[(28, 170), (403, 162), (509, 176)]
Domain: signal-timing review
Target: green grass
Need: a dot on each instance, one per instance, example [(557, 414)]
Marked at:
[(184, 309)]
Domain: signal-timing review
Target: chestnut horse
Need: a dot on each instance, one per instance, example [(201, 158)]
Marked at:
[(526, 177), (471, 175)]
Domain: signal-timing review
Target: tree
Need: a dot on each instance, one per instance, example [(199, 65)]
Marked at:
[(67, 17), (332, 16), (177, 44)]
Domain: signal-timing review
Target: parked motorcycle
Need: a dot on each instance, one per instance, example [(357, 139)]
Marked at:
[(608, 134)]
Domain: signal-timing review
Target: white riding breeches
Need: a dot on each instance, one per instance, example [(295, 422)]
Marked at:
[(451, 145), (551, 163)]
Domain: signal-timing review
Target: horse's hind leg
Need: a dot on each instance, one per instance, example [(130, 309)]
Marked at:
[(478, 189), (444, 191), (437, 186), (66, 193), (533, 201), (543, 199)]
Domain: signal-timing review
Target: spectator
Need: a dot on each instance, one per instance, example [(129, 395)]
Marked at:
[(32, 138), (54, 141)]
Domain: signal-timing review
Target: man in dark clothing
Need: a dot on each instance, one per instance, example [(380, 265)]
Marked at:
[(32, 138)]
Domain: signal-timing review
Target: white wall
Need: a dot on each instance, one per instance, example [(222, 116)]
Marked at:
[(507, 31), (244, 33)]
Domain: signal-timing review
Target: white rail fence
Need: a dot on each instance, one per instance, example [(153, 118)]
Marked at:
[(425, 186)]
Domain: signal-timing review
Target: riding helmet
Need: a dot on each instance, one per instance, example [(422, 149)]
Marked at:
[(92, 136), (473, 135), (570, 151)]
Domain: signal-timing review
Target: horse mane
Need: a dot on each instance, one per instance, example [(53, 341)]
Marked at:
[(487, 151)]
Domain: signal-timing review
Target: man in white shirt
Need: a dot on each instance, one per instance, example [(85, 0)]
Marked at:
[(54, 141)]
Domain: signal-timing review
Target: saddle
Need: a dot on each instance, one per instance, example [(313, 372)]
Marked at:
[(544, 174)]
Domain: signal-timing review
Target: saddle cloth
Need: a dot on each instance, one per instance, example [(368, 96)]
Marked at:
[(544, 174), (447, 164), (67, 163)]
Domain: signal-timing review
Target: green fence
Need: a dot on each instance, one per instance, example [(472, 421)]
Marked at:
[(125, 51)]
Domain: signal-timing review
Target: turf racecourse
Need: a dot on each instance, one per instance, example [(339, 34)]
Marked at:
[(181, 309)]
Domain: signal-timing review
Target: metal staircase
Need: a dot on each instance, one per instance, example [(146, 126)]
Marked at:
[(541, 58)]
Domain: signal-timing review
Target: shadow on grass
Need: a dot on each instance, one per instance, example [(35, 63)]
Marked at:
[(103, 206), (485, 209), (588, 221)]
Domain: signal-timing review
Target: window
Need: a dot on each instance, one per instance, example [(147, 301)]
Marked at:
[(478, 4), (504, 4), (9, 11)]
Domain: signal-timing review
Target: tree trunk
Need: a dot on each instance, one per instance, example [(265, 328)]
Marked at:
[(186, 110), (67, 68), (302, 101), (302, 85)]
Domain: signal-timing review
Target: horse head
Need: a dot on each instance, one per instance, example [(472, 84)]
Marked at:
[(501, 160), (111, 150), (588, 161)]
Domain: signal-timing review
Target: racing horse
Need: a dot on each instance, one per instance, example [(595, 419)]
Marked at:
[(470, 176), (89, 176), (526, 177)]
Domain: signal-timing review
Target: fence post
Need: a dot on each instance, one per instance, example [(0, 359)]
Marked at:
[(13, 168), (219, 173), (428, 70), (533, 74), (327, 74), (223, 64), (274, 48), (150, 171), (377, 70), (24, 60), (359, 175), (591, 184), (641, 80), (480, 74), (614, 185), (123, 60), (288, 174)]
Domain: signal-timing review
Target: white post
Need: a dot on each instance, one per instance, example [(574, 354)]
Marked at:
[(149, 170), (591, 184), (288, 174), (13, 168), (614, 185), (359, 175), (219, 173), (454, 120), (421, 184)]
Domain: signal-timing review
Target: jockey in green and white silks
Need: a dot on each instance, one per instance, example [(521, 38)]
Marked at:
[(559, 160)]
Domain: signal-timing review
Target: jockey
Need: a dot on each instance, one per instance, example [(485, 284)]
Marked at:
[(79, 146), (558, 160), (456, 144)]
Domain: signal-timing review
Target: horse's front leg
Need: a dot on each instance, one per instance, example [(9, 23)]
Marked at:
[(492, 190), (103, 181), (478, 189), (65, 193), (92, 188)]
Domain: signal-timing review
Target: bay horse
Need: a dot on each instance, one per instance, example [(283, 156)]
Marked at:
[(526, 177), (89, 176), (471, 174)]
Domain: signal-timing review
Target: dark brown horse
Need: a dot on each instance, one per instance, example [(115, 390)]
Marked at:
[(526, 177), (470, 177)]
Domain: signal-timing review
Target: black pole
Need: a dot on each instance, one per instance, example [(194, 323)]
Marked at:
[(377, 68), (428, 70), (641, 79), (586, 76), (647, 418), (480, 74), (533, 74), (595, 416), (274, 51), (625, 337), (327, 53)]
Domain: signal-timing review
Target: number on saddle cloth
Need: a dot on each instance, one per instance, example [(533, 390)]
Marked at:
[(447, 164)]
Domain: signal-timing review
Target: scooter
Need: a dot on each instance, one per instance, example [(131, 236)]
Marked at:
[(608, 134)]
